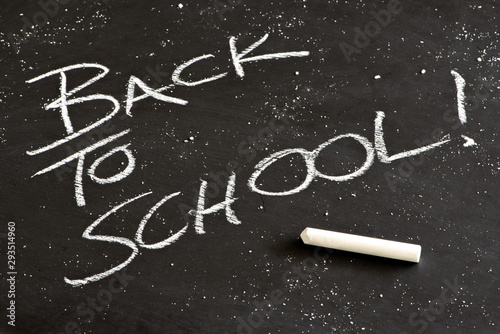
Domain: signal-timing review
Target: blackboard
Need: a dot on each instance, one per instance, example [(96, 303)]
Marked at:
[(160, 160)]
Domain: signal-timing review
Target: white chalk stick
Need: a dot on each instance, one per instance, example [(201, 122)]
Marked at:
[(359, 244)]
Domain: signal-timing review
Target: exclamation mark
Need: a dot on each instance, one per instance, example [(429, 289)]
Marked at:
[(462, 116), (460, 83)]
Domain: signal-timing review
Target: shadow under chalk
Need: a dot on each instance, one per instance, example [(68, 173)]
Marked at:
[(347, 262)]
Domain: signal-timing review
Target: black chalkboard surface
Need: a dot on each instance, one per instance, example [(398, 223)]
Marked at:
[(160, 160)]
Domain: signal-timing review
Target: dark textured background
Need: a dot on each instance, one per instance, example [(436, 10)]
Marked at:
[(203, 283)]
